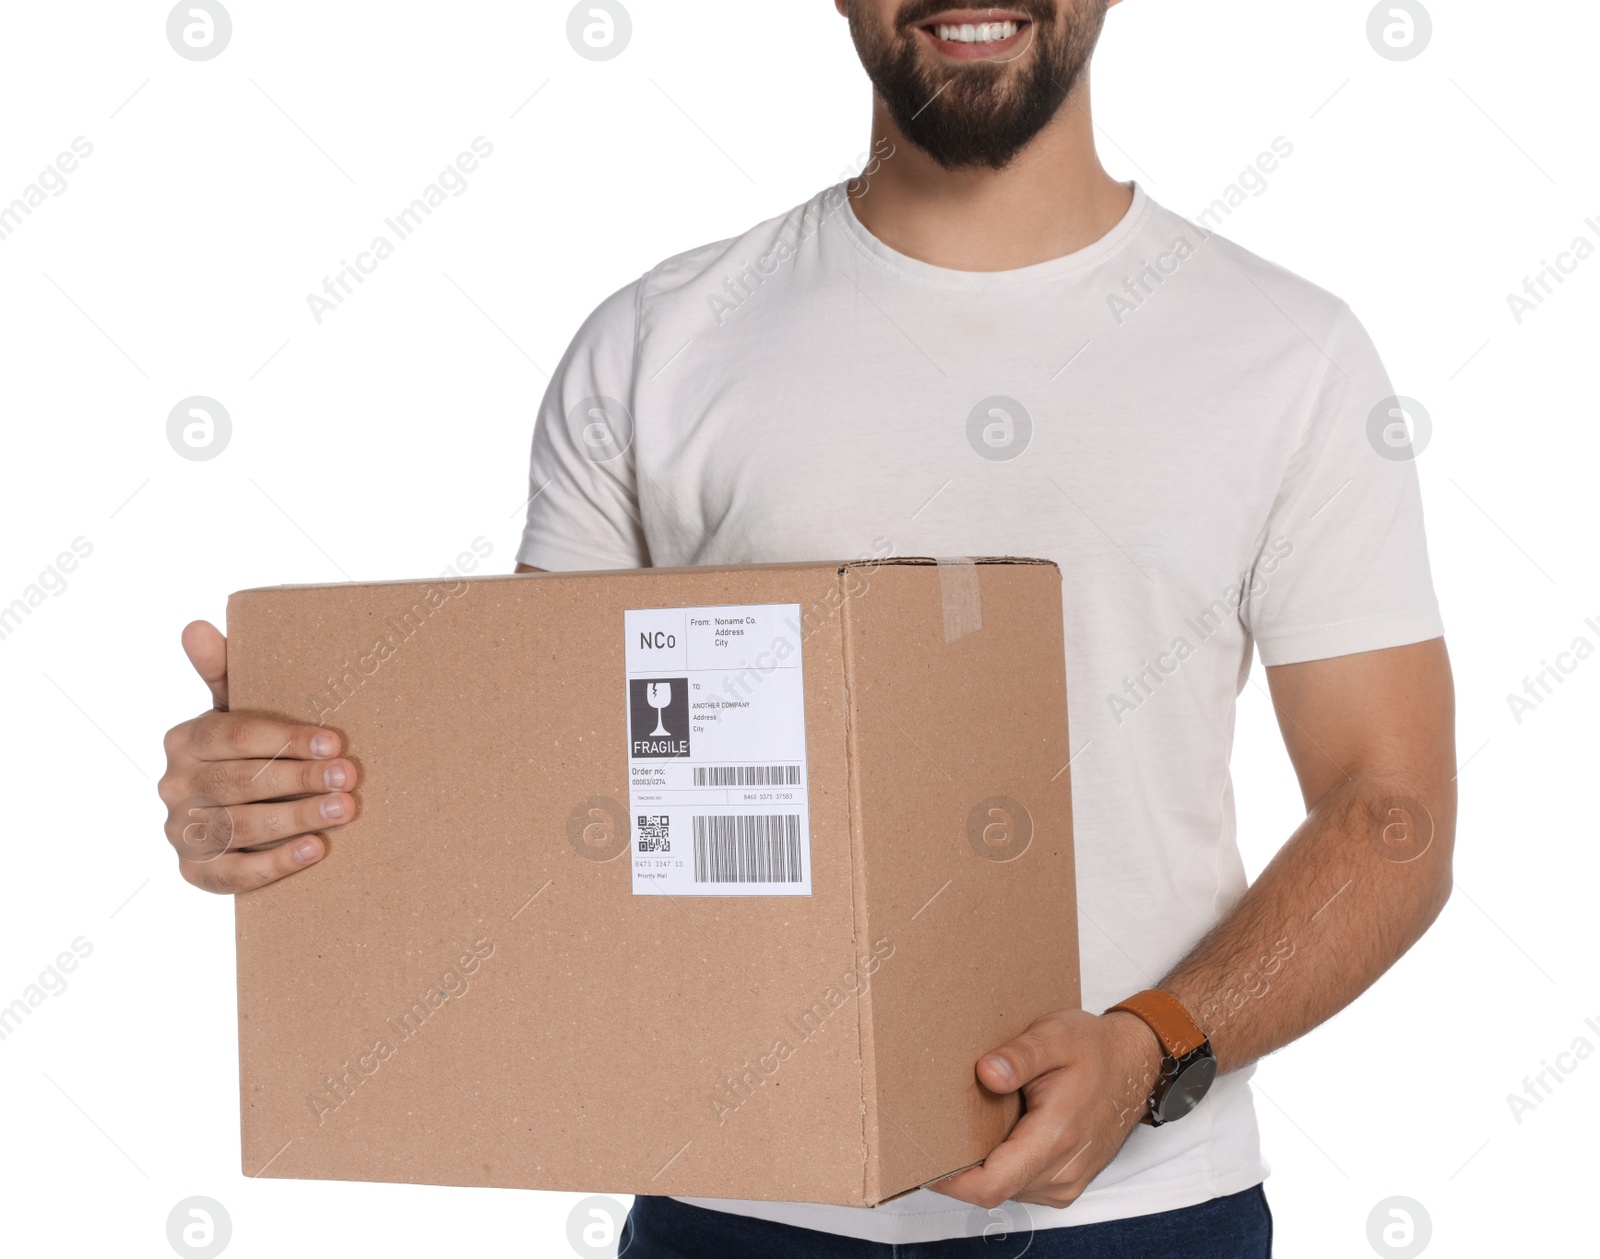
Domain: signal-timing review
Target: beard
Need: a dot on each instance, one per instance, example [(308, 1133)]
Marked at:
[(977, 113)]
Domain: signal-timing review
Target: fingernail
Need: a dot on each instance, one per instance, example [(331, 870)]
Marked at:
[(334, 777), (305, 850), (323, 745), (999, 1067), (331, 806)]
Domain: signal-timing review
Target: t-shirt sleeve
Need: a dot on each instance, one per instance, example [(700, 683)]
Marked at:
[(583, 505), (1344, 563)]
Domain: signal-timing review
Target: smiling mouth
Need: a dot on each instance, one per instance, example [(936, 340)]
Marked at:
[(973, 34)]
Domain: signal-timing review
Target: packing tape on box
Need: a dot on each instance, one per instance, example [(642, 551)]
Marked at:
[(958, 591)]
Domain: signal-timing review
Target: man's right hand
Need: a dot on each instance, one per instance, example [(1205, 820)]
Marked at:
[(245, 794)]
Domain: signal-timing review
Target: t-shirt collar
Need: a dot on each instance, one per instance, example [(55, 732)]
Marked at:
[(1051, 269)]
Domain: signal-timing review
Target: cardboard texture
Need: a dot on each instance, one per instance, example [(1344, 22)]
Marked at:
[(468, 990)]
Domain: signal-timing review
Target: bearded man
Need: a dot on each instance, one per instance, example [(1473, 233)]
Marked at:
[(985, 345)]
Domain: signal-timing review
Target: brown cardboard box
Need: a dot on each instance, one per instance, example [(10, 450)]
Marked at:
[(485, 984)]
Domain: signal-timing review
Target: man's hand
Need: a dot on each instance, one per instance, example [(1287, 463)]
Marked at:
[(1086, 1079), (245, 794)]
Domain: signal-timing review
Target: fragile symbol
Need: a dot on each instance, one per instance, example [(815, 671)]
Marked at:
[(658, 717), (659, 695)]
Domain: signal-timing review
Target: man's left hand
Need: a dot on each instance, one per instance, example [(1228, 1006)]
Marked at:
[(1086, 1079)]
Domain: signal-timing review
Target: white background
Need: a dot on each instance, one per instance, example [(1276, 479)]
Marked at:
[(381, 443)]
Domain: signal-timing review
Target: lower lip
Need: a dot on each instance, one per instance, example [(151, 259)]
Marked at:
[(995, 50)]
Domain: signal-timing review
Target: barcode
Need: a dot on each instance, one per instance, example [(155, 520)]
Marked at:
[(747, 848), (746, 775)]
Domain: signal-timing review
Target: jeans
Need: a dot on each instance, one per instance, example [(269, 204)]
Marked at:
[(1238, 1226)]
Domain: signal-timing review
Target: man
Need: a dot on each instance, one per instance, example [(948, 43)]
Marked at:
[(987, 346)]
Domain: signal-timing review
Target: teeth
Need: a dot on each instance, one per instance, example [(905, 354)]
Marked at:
[(982, 33)]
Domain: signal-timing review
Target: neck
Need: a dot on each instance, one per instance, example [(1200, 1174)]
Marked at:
[(1053, 199)]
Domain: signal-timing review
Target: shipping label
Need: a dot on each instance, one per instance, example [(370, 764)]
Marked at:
[(717, 773)]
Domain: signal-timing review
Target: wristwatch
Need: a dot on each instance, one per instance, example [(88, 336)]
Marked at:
[(1187, 1065)]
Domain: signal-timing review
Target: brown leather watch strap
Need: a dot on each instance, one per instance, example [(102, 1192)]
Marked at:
[(1179, 1034)]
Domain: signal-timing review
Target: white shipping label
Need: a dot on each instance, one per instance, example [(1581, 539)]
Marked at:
[(717, 773)]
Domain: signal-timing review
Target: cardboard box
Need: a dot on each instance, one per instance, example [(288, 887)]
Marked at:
[(569, 943)]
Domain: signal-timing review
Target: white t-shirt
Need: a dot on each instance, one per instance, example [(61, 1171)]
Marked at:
[(1203, 442)]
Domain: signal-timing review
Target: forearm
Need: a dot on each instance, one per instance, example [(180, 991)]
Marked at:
[(1353, 889), (1370, 737)]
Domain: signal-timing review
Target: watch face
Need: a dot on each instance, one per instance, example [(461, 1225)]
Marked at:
[(1187, 1088)]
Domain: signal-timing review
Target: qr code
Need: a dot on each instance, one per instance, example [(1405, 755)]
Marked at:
[(653, 832)]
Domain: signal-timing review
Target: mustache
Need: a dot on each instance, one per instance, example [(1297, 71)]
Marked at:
[(917, 12)]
